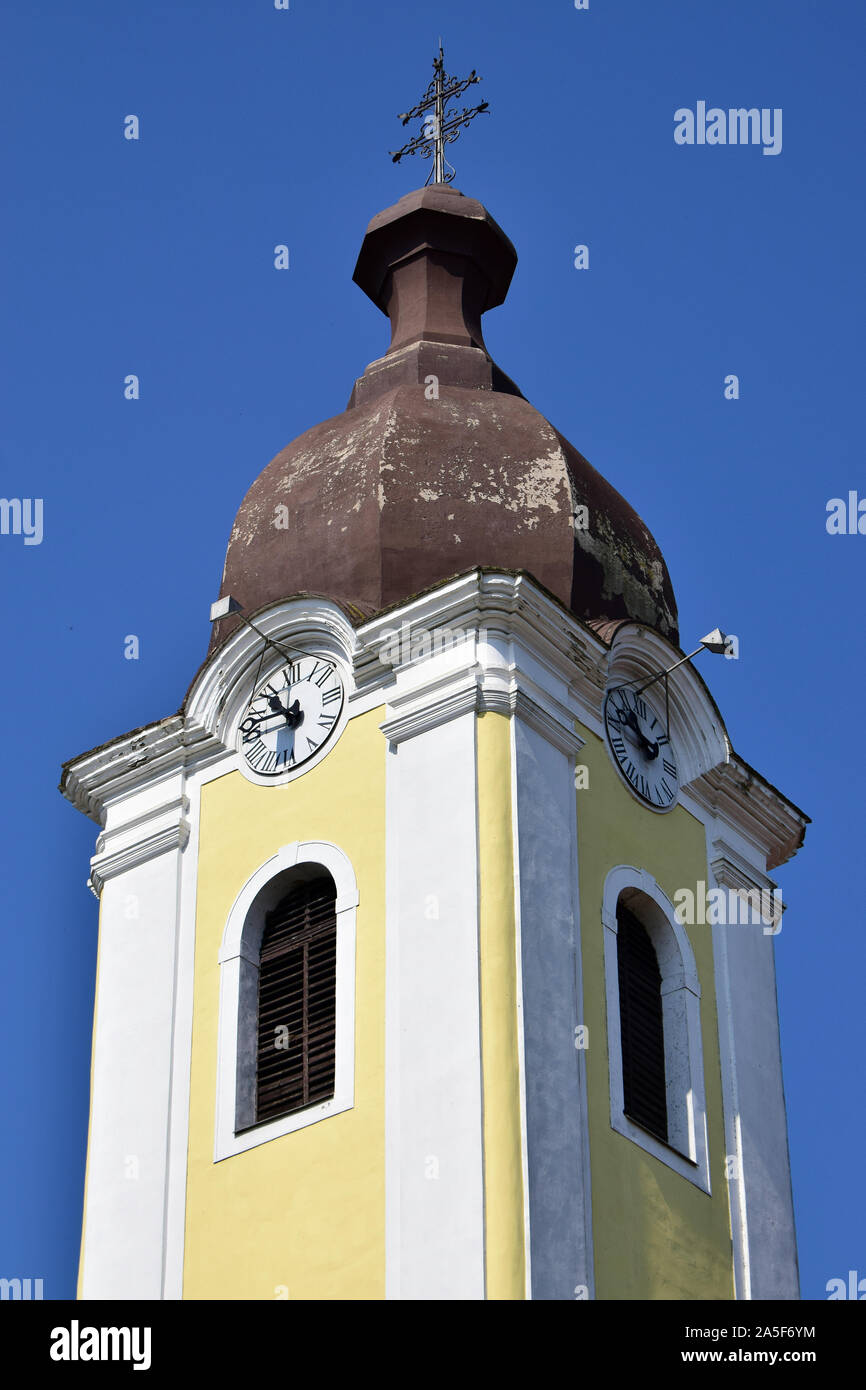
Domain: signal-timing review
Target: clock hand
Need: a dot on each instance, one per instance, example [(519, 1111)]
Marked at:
[(294, 715), (629, 718), (278, 726)]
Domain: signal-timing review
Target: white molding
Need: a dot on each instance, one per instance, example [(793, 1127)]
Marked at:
[(422, 716), (490, 672), (221, 690), (733, 871), (773, 827), (239, 967), (688, 1152), (173, 835), (531, 641), (133, 761)]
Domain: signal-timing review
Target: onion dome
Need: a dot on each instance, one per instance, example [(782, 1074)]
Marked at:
[(439, 464)]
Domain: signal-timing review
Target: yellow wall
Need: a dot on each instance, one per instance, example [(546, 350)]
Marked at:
[(306, 1211), (655, 1235), (503, 1168)]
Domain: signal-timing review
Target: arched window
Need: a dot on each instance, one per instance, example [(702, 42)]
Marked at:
[(297, 1001), (641, 1025), (286, 1038), (657, 1096)]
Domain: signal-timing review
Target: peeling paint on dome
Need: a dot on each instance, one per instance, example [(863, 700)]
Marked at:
[(418, 490)]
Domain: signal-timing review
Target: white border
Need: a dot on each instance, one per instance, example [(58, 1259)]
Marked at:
[(683, 1049), (238, 960)]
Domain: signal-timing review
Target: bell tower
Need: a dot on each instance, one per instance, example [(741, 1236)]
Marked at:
[(443, 903)]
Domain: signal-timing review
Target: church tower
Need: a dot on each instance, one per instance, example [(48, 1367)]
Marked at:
[(436, 928)]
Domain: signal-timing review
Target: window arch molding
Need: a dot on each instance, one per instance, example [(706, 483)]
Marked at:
[(238, 1009), (687, 1151)]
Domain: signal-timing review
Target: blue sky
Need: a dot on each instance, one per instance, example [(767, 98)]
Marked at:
[(155, 257)]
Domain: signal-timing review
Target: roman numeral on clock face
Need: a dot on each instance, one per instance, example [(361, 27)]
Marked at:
[(319, 678), (258, 755), (669, 767)]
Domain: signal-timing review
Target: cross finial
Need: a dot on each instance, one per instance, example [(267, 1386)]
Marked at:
[(441, 126)]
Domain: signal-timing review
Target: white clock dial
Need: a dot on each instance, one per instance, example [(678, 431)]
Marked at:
[(641, 747), (291, 716)]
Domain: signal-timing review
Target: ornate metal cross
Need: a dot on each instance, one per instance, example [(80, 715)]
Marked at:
[(441, 126)]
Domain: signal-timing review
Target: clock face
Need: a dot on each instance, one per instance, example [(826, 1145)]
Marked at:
[(641, 747), (291, 716)]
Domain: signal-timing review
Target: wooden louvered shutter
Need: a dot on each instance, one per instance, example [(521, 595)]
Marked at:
[(640, 1012), (297, 993)]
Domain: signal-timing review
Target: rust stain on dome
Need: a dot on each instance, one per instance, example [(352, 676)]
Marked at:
[(439, 462)]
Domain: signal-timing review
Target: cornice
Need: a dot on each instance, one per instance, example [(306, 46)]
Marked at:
[(426, 710), (426, 707), (738, 795), (524, 655), (731, 870), (128, 762), (500, 602), (502, 620), (106, 866)]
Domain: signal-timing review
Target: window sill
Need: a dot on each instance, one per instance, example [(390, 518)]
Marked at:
[(241, 1140), (651, 1134), (660, 1149)]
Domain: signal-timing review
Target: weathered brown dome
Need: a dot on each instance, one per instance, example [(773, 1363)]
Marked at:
[(439, 464)]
